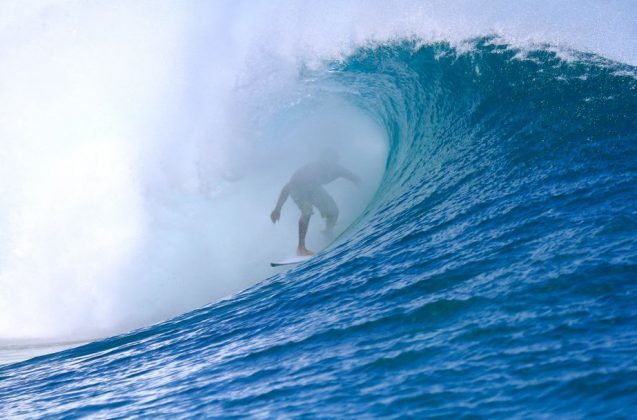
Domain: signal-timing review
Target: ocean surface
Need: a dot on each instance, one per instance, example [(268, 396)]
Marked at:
[(493, 274)]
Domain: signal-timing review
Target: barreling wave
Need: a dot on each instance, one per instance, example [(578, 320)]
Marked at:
[(493, 272)]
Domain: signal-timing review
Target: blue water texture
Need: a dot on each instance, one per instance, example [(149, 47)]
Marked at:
[(494, 273)]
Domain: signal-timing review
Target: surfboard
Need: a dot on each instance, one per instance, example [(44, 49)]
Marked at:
[(290, 261)]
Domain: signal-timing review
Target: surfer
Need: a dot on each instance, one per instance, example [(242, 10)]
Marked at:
[(306, 188)]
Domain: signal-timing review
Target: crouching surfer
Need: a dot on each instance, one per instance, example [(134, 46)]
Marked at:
[(306, 188)]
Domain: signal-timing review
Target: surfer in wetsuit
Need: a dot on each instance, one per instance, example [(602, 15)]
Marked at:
[(306, 189)]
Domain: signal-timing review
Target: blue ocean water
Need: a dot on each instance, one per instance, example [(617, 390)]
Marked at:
[(494, 273)]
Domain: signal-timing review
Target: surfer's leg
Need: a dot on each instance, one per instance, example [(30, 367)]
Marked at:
[(304, 222), (330, 222), (305, 205), (328, 208)]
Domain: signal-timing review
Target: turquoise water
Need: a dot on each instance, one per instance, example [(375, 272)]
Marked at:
[(493, 274)]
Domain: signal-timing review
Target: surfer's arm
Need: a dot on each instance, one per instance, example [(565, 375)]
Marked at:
[(276, 213)]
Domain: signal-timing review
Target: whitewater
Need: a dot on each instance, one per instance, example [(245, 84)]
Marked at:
[(486, 266)]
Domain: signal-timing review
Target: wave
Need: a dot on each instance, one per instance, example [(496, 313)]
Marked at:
[(123, 151), (492, 272)]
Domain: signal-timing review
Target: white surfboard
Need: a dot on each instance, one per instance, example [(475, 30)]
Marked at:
[(290, 261)]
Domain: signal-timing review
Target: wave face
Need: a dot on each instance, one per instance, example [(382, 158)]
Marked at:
[(493, 273)]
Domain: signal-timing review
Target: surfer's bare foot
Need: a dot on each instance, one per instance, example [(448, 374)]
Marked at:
[(304, 252)]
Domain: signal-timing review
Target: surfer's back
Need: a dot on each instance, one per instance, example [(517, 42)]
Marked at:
[(317, 173)]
